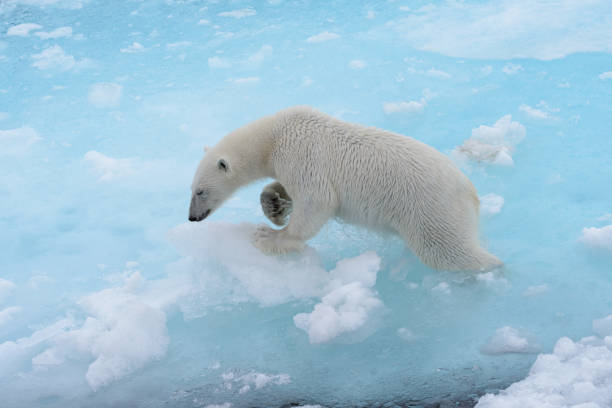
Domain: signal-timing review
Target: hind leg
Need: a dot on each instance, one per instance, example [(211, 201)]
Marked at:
[(446, 247)]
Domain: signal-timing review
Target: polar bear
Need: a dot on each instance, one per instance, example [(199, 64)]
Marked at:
[(324, 167)]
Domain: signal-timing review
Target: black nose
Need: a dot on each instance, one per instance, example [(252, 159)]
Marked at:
[(199, 217)]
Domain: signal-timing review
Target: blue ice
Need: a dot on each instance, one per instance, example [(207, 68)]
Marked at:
[(108, 297)]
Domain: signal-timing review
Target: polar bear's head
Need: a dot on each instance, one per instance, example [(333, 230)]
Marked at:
[(214, 182), (239, 158)]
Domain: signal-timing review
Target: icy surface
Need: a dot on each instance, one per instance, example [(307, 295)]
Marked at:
[(108, 297)]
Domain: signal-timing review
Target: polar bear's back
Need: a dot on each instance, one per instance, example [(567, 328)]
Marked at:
[(379, 178)]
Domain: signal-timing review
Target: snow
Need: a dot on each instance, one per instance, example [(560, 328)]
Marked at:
[(512, 69), (344, 309), (56, 59), (6, 315), (113, 316), (59, 32), (105, 94), (605, 75), (508, 29), (217, 62), (322, 37), (245, 80), (238, 14), (510, 340), (22, 30), (133, 48), (534, 112), (535, 290), (17, 141), (438, 73), (109, 168), (491, 204), (6, 287), (603, 327), (404, 107), (598, 237), (492, 144), (405, 334), (254, 380)]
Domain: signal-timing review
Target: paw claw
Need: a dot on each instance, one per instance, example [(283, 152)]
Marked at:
[(275, 208)]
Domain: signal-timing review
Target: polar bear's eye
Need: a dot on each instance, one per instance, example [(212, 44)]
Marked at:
[(199, 192), (222, 165)]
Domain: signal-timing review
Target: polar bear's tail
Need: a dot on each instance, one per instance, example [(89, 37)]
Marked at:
[(484, 261), (460, 259)]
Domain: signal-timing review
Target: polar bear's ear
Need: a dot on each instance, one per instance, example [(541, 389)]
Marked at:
[(206, 148), (223, 165)]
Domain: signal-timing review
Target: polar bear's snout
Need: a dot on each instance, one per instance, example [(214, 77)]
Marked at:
[(197, 209)]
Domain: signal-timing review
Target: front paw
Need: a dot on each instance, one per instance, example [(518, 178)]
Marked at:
[(275, 208), (264, 239), (271, 241)]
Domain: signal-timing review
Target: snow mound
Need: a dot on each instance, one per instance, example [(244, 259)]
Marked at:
[(121, 333), (576, 374), (598, 237), (507, 340), (7, 314), (227, 269), (350, 302), (6, 287), (253, 380), (492, 144), (491, 204), (343, 310)]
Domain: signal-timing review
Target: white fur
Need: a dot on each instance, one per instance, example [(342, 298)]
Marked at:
[(363, 175)]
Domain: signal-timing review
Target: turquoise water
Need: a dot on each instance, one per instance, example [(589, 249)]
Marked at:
[(109, 298)]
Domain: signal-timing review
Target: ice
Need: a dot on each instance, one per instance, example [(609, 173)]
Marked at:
[(109, 297), (574, 374)]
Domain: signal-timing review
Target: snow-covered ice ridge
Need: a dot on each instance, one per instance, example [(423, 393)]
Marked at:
[(575, 374)]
